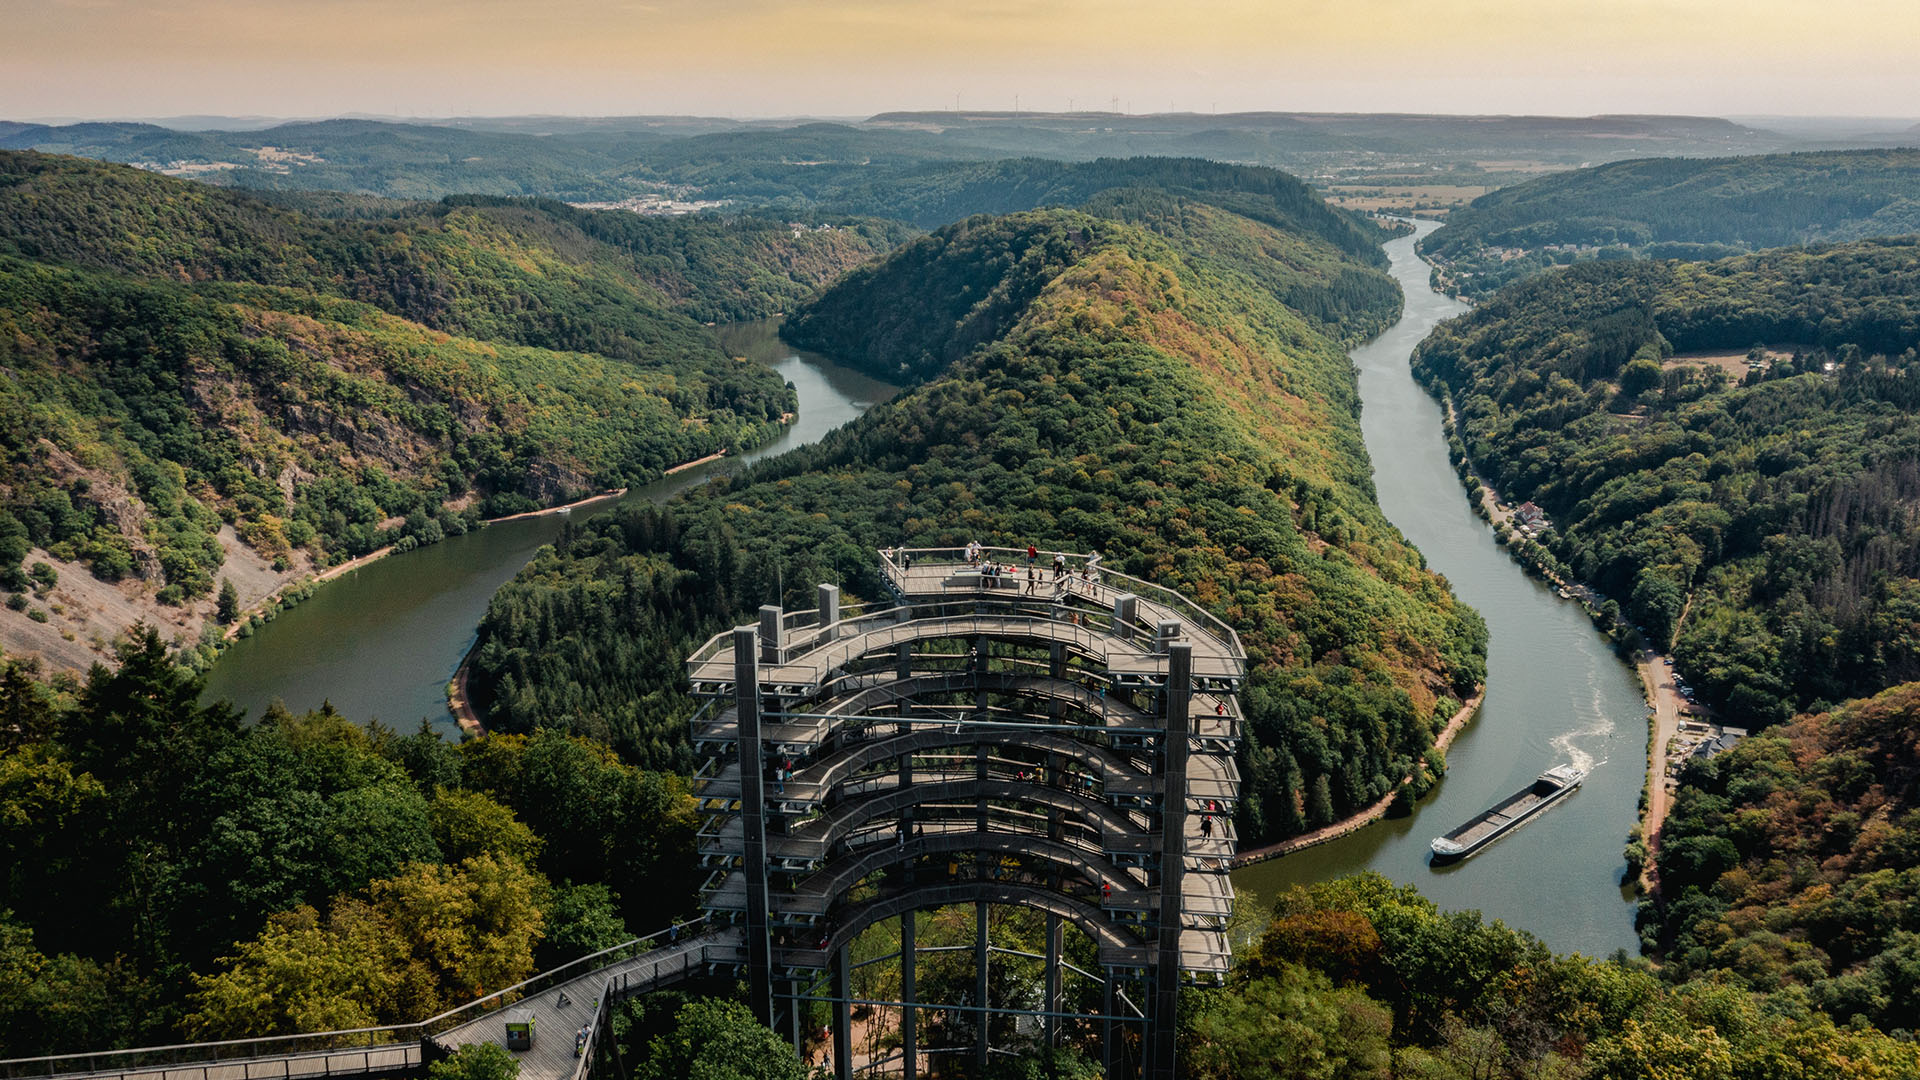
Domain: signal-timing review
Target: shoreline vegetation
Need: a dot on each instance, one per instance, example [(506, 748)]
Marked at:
[(294, 592), (459, 700), (263, 610), (1372, 812)]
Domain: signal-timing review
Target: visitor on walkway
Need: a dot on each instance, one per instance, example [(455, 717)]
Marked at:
[(1059, 565), (1206, 826), (1033, 555)]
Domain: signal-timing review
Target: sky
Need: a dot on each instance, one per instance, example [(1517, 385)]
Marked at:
[(426, 58)]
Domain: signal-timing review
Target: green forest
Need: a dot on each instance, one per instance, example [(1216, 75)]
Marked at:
[(1763, 525), (332, 374), (176, 874), (1792, 863), (1137, 387), (1675, 208)]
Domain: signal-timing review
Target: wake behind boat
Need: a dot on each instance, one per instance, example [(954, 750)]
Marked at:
[(1509, 814)]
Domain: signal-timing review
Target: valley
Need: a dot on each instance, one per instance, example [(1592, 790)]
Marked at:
[(296, 454)]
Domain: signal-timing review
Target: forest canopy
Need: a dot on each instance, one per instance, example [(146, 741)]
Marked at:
[(327, 375), (1764, 524), (1136, 387)]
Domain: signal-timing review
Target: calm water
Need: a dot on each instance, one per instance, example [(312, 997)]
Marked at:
[(383, 641), (1555, 693)]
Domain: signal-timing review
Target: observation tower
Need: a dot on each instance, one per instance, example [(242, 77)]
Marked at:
[(1058, 741)]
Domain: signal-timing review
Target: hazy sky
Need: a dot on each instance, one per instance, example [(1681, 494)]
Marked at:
[(102, 58)]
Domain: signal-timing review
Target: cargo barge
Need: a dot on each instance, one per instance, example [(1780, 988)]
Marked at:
[(1497, 822)]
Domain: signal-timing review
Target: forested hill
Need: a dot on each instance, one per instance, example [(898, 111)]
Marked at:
[(1136, 390), (936, 195), (1773, 503), (946, 294), (1794, 861), (1695, 208), (196, 373)]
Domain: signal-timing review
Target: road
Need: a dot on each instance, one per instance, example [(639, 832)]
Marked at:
[(1666, 701)]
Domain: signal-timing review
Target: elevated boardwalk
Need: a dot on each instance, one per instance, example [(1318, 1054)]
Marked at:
[(565, 999)]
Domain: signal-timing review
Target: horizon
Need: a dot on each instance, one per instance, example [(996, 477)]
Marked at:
[(199, 121), (440, 59)]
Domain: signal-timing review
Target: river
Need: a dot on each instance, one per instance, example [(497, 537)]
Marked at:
[(382, 641), (1555, 693)]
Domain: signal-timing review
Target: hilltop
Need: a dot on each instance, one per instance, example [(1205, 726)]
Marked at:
[(202, 377), (1124, 380), (1791, 861)]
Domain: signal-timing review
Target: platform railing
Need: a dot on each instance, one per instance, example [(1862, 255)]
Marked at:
[(892, 559), (1096, 620), (365, 1041)]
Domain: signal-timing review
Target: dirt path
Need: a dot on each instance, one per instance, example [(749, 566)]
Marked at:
[(1665, 698), (685, 465), (1367, 816), (460, 702), (610, 493)]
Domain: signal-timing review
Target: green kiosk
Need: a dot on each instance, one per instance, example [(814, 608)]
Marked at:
[(520, 1030)]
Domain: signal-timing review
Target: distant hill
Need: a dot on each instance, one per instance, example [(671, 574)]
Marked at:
[(1677, 208), (793, 165), (944, 295), (319, 376)]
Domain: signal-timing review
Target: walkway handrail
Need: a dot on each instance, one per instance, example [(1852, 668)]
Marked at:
[(872, 619), (1015, 556), (265, 1046)]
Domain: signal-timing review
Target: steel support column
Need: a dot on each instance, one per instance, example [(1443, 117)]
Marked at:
[(909, 1019), (1051, 1004), (980, 981), (1110, 1062), (1163, 1010), (753, 820), (842, 1017)]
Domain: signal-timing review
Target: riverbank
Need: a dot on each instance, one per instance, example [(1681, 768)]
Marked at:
[(1370, 814), (302, 588), (460, 701), (567, 508)]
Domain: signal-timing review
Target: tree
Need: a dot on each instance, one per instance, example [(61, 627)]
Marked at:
[(54, 1004), (299, 975), (719, 1040), (1294, 1026), (469, 823), (474, 926), (1639, 376), (476, 1061), (581, 919), (227, 608)]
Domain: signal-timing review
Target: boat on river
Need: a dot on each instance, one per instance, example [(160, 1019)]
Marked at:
[(1510, 814)]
